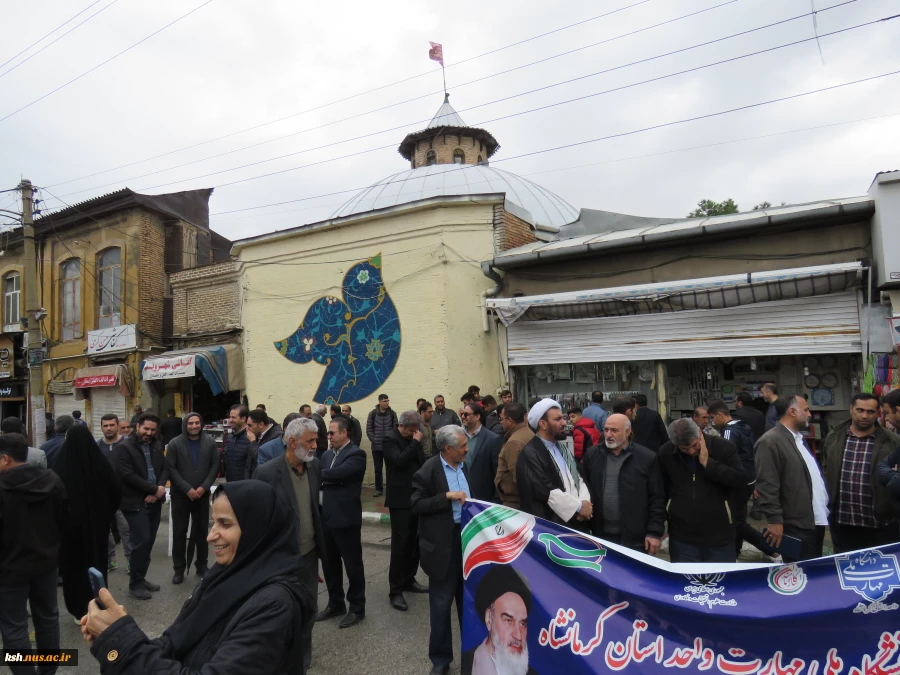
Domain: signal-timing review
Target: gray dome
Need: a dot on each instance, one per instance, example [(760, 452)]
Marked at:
[(461, 179)]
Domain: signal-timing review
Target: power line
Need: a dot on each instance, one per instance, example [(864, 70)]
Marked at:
[(99, 65), (593, 140), (362, 93), (50, 44), (623, 159), (13, 58), (387, 107), (496, 119)]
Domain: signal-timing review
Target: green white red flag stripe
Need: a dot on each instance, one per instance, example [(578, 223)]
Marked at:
[(496, 535)]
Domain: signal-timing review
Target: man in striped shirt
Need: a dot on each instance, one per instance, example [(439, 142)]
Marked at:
[(862, 514)]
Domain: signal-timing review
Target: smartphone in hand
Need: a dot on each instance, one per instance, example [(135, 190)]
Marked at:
[(97, 582)]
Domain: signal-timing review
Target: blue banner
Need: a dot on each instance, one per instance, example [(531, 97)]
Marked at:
[(541, 599)]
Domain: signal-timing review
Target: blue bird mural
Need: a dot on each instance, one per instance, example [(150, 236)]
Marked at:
[(356, 337)]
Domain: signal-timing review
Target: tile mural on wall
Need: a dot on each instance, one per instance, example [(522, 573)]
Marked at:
[(356, 337)]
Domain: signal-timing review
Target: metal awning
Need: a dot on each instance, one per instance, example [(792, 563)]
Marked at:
[(113, 375), (722, 292), (221, 365)]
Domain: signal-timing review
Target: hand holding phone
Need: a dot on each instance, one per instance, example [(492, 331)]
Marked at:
[(97, 582)]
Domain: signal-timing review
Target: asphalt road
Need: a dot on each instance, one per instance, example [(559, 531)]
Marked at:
[(387, 642)]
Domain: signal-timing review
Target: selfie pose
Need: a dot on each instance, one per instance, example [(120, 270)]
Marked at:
[(245, 616)]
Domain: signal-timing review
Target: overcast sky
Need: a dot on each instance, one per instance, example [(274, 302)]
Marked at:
[(234, 64)]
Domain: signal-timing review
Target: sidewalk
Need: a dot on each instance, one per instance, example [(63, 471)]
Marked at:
[(373, 507)]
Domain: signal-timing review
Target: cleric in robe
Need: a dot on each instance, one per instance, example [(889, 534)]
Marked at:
[(550, 485), (502, 601)]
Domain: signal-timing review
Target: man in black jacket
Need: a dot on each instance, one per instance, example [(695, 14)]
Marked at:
[(741, 436), (746, 413), (264, 430), (193, 464), (403, 455), (297, 477), (170, 427), (648, 427), (343, 470), (355, 426), (484, 454), (33, 516), (141, 465), (238, 445), (700, 473), (440, 488), (381, 421), (322, 426), (626, 489)]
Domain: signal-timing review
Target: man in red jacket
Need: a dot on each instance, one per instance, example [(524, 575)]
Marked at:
[(584, 432)]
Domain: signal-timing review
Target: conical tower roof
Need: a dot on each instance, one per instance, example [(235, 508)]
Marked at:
[(446, 116), (447, 122)]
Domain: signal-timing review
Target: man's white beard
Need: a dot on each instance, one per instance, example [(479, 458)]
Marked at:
[(507, 662), (611, 443), (306, 457)]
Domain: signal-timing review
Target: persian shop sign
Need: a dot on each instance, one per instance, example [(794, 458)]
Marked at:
[(109, 340), (168, 368), (96, 381)]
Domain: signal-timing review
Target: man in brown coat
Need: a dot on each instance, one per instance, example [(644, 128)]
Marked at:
[(516, 436)]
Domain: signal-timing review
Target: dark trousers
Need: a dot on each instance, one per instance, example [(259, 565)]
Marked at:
[(853, 538), (196, 511), (308, 575), (811, 540), (617, 539), (143, 525), (378, 463), (40, 593), (404, 549), (345, 544), (441, 594), (680, 552)]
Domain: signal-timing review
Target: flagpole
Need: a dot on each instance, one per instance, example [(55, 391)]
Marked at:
[(444, 73)]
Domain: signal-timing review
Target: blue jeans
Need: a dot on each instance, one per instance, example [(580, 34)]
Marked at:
[(40, 593), (688, 553), (441, 593)]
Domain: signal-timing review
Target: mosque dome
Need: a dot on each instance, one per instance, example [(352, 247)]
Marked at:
[(448, 158)]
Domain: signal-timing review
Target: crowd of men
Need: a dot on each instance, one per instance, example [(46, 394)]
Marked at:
[(625, 476)]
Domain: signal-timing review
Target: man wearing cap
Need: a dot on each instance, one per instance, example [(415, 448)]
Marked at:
[(550, 486), (502, 601)]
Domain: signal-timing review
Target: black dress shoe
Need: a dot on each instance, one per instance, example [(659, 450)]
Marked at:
[(150, 586), (440, 670), (399, 602), (139, 593), (330, 613), (378, 493), (201, 571), (416, 587), (351, 619), (178, 578)]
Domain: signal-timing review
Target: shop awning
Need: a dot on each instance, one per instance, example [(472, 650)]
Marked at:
[(221, 365), (114, 375), (736, 290)]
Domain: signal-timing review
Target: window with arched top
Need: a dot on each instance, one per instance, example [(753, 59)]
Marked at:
[(430, 158), (12, 301), (459, 157), (480, 160), (109, 287), (70, 299)]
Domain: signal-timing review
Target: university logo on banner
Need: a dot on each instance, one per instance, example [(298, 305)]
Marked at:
[(541, 599)]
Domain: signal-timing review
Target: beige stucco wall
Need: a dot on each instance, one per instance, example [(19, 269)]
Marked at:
[(430, 266)]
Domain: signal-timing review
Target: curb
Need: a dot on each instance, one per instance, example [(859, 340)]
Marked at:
[(376, 517)]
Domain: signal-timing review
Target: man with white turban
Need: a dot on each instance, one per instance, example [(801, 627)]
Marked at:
[(550, 486)]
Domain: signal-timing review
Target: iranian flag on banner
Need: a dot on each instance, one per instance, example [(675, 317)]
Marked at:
[(496, 535)]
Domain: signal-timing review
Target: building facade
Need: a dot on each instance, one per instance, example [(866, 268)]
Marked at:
[(103, 285)]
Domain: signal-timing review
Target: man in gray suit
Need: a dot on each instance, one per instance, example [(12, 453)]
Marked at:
[(297, 478), (193, 464), (484, 454)]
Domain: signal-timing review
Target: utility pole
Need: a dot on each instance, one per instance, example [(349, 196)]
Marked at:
[(33, 312)]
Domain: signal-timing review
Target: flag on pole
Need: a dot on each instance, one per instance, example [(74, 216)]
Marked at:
[(436, 53)]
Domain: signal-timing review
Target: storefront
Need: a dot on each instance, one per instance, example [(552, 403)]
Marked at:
[(12, 389), (690, 342), (207, 380), (108, 388)]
